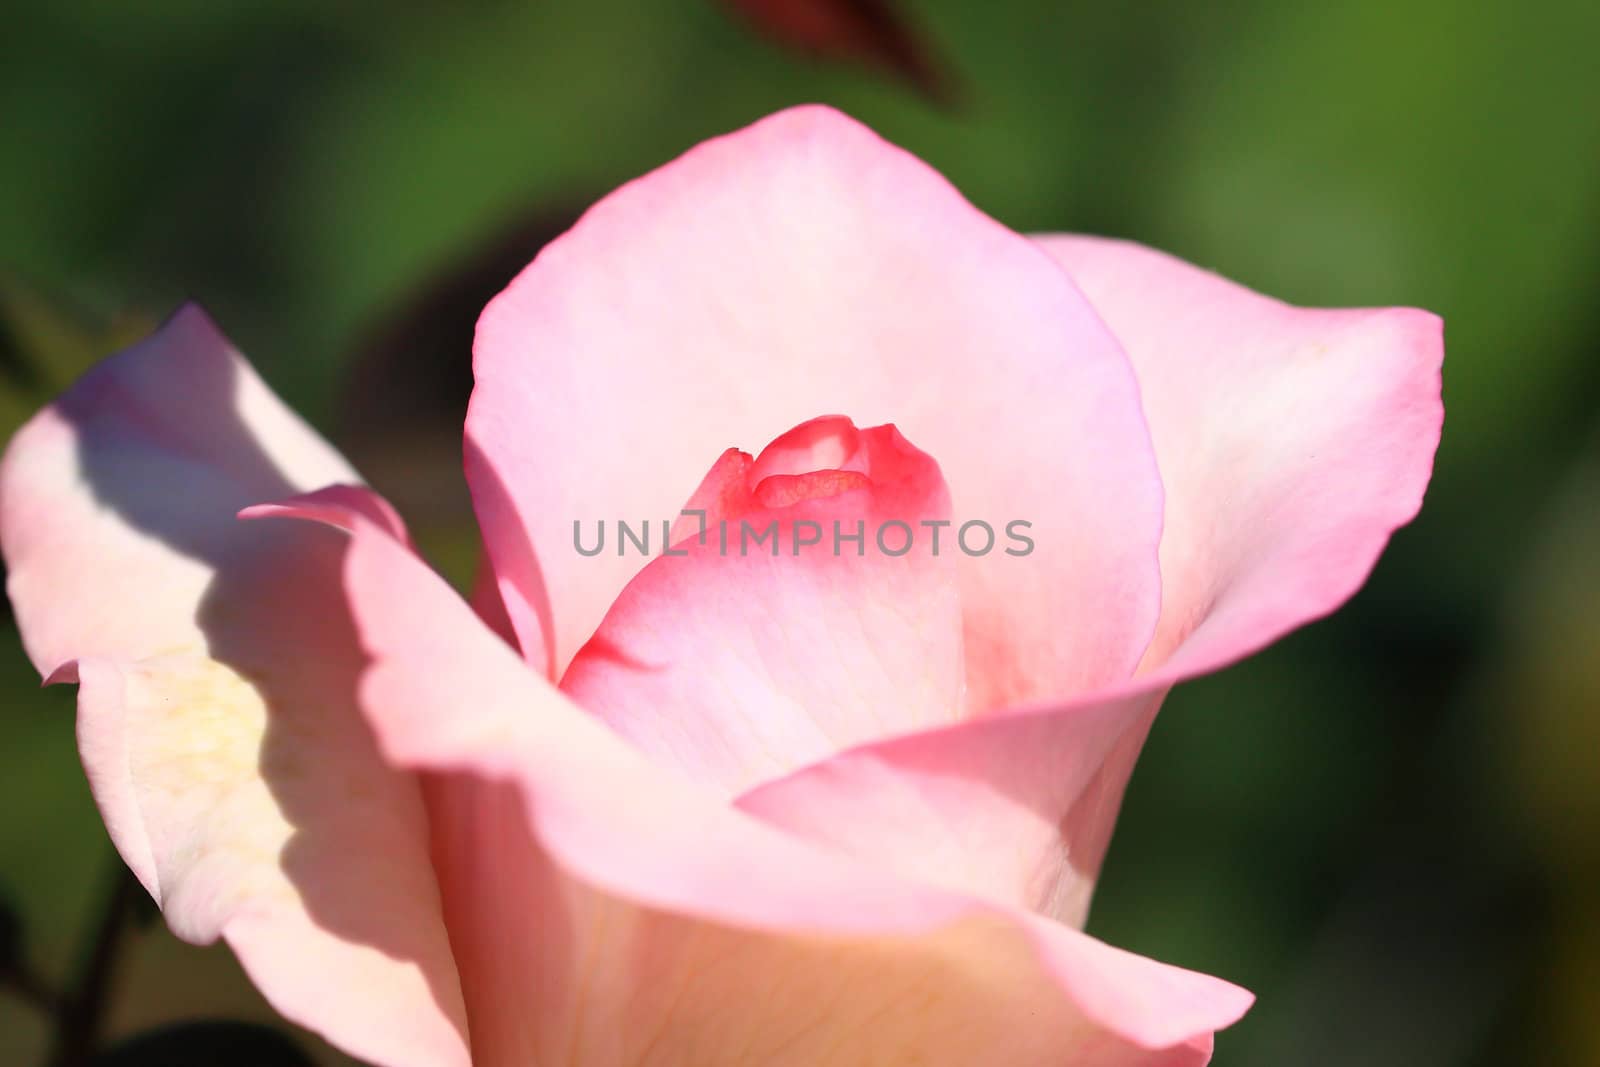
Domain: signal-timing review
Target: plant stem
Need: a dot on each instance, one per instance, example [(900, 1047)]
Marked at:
[(80, 1016)]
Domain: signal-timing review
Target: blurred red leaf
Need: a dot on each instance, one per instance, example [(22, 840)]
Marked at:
[(873, 32)]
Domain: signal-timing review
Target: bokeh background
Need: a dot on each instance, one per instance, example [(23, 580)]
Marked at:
[(1388, 825)]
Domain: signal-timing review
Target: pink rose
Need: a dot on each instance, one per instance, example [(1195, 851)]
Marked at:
[(723, 807)]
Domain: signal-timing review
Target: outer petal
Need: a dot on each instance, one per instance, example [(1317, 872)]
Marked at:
[(797, 267), (1015, 807), (626, 915), (1292, 443), (217, 665), (740, 660), (117, 497)]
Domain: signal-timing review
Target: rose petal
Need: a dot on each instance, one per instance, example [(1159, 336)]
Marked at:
[(1010, 807), (216, 666), (1292, 443), (204, 438), (614, 911), (742, 660), (800, 266)]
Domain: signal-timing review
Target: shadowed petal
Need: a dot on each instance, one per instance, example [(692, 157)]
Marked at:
[(217, 668)]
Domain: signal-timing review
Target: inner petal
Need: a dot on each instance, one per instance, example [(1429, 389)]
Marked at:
[(816, 614), (829, 442), (786, 490)]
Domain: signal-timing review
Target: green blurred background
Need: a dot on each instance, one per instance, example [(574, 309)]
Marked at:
[(1388, 826)]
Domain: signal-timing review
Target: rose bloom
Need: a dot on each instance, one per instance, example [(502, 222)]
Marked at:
[(714, 808)]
